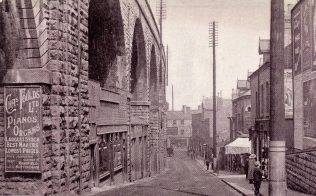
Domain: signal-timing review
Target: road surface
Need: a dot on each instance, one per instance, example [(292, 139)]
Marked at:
[(184, 177)]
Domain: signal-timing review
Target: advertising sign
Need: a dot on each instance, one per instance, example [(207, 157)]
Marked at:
[(309, 108), (314, 36), (22, 109), (288, 93), (172, 131), (307, 34), (296, 34)]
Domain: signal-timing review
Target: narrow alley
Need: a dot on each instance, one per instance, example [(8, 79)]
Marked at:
[(184, 176)]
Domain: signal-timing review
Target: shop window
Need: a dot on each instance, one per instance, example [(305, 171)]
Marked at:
[(104, 155)]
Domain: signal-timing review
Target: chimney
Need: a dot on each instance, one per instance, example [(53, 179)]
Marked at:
[(184, 109)]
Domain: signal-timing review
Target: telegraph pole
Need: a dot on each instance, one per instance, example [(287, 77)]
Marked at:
[(213, 42), (172, 99), (277, 175), (161, 14)]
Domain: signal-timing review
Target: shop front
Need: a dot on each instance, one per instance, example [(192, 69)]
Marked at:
[(260, 142)]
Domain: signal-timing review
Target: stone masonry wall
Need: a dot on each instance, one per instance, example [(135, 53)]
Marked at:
[(301, 171), (49, 30), (63, 62)]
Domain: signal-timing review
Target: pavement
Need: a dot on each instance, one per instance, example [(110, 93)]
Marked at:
[(241, 185), (184, 177)]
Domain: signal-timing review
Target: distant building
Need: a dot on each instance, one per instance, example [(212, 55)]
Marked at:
[(241, 109), (179, 127), (202, 123)]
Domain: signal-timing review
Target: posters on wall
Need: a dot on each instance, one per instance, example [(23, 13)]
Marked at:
[(296, 32), (307, 34), (314, 35), (288, 94), (303, 33), (309, 108), (22, 129)]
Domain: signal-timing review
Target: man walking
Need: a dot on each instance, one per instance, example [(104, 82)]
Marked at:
[(207, 162), (257, 178)]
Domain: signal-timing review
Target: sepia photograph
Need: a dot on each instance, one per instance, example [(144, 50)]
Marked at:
[(158, 97)]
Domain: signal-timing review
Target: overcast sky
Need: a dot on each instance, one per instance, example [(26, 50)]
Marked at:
[(185, 31)]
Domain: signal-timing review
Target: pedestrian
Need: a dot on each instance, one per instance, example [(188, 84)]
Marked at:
[(251, 167), (207, 161), (257, 178), (246, 167)]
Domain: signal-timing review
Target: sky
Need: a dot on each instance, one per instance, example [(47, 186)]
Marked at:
[(186, 32)]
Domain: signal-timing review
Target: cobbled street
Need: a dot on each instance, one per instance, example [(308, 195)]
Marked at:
[(184, 177)]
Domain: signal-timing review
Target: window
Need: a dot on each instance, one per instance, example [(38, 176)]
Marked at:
[(182, 132), (268, 99), (257, 105), (262, 101), (248, 108), (182, 122), (174, 122)]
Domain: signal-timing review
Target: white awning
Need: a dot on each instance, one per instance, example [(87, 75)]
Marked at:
[(239, 146)]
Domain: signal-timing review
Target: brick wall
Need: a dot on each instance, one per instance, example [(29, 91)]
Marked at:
[(301, 171)]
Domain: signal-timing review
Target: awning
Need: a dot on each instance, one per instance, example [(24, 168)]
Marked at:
[(241, 145)]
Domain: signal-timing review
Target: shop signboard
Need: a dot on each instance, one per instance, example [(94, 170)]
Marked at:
[(288, 93), (22, 109)]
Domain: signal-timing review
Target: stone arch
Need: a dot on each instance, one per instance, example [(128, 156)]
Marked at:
[(138, 64), (153, 78), (106, 42), (161, 77)]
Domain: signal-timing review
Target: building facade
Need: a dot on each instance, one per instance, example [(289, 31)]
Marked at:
[(202, 123), (83, 91), (240, 121), (179, 127), (260, 102), (301, 163)]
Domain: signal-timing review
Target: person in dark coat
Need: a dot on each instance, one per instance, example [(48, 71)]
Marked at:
[(207, 162), (246, 167), (257, 178)]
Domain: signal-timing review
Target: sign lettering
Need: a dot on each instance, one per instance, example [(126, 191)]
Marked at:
[(22, 129)]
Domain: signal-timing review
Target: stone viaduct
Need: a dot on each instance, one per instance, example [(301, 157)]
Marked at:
[(101, 70)]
